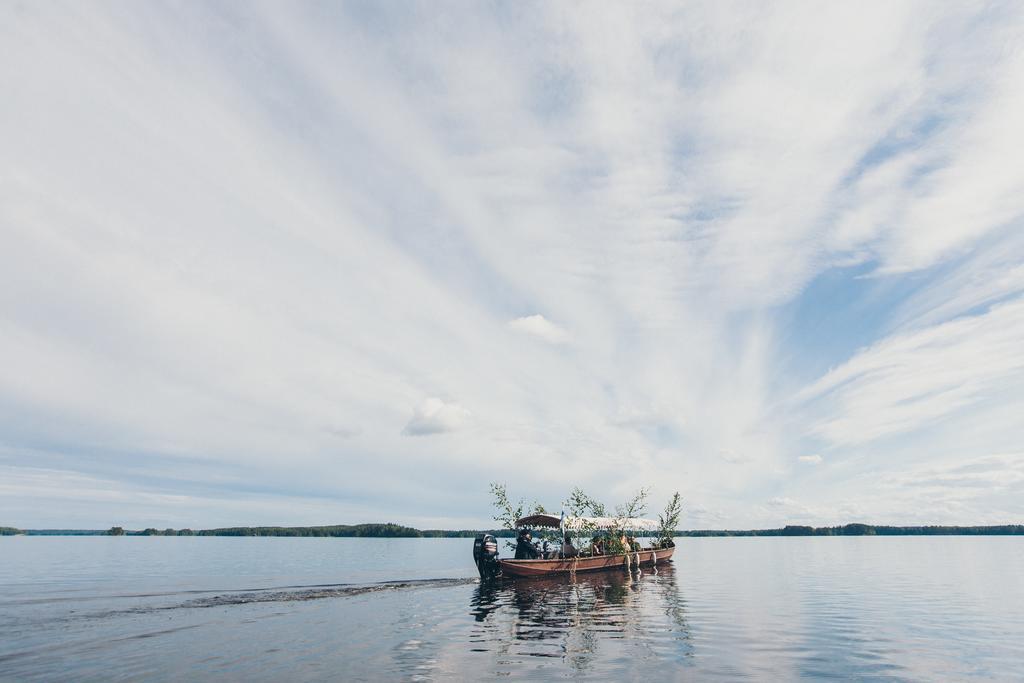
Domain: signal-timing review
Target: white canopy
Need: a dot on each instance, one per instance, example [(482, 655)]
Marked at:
[(635, 523), (588, 523)]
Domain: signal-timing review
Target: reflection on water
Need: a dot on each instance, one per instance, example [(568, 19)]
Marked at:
[(725, 609), (575, 619)]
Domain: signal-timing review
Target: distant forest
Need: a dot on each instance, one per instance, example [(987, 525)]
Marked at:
[(868, 530), (388, 530), (398, 531), (335, 531)]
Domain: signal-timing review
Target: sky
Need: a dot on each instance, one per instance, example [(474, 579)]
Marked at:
[(322, 263)]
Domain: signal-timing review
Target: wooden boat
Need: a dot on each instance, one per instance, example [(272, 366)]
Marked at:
[(645, 557), (485, 549)]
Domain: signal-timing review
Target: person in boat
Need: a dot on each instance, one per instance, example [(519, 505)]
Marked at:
[(597, 546), (568, 549), (524, 546)]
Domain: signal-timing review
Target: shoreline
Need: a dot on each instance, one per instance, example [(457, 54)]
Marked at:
[(398, 531)]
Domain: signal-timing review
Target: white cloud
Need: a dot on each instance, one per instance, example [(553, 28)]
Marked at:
[(782, 510), (435, 416), (927, 202), (970, 477), (814, 459), (540, 327), (908, 381), (252, 246)]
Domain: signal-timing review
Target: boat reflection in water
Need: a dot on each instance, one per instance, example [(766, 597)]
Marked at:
[(594, 619)]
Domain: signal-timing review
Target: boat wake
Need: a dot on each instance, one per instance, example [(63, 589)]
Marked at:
[(319, 592), (165, 602)]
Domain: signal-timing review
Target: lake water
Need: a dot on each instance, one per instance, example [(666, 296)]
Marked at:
[(270, 609)]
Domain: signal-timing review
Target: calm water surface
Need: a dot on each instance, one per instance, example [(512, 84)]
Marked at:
[(263, 609)]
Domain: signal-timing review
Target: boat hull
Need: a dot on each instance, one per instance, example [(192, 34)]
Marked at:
[(647, 558)]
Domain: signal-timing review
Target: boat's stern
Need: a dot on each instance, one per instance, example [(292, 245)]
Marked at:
[(485, 555)]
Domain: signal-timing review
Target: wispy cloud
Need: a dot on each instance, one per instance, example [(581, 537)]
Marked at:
[(910, 380), (974, 476), (253, 238)]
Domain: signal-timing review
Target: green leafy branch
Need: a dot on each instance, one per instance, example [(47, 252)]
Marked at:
[(669, 519), (507, 511)]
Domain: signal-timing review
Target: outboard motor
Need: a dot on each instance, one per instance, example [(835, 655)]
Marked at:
[(485, 554)]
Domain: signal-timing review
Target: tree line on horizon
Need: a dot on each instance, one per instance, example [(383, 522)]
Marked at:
[(382, 530), (866, 530), (390, 530)]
